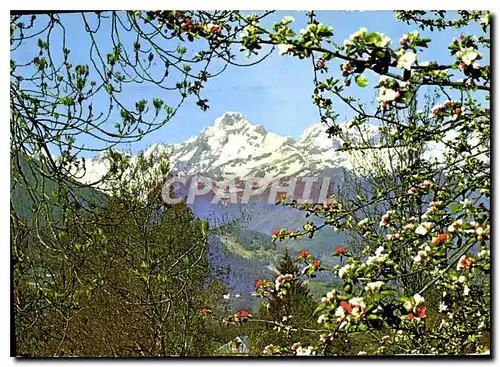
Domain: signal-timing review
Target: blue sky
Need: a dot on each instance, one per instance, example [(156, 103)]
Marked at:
[(275, 93)]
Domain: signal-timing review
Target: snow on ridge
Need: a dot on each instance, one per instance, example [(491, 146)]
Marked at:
[(228, 122), (233, 147)]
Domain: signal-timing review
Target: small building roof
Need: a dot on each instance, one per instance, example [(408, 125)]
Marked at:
[(236, 346)]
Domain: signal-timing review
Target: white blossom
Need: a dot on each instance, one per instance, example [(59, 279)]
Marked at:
[(442, 307), (455, 225), (343, 270), (466, 290), (357, 301), (407, 60), (331, 294), (483, 253), (468, 55), (418, 299), (361, 32), (408, 305), (386, 41), (371, 260), (374, 286), (408, 227), (387, 95), (485, 20), (421, 255), (305, 351), (363, 222), (340, 312), (423, 228), (465, 202), (284, 49)]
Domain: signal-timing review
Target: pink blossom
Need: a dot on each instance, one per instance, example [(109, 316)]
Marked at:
[(269, 348), (320, 64), (465, 263), (304, 254), (212, 28), (385, 219), (423, 228), (421, 312), (455, 225), (412, 190), (427, 184)]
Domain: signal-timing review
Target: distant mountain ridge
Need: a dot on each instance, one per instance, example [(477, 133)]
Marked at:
[(234, 148)]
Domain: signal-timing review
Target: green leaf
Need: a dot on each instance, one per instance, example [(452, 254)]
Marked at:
[(454, 208), (204, 227), (373, 38), (361, 81), (386, 292), (157, 102), (320, 308), (169, 110)]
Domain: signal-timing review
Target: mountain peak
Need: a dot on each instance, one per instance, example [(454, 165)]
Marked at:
[(315, 129), (230, 120), (233, 147)]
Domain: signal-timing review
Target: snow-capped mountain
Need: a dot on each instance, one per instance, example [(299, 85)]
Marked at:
[(234, 148)]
